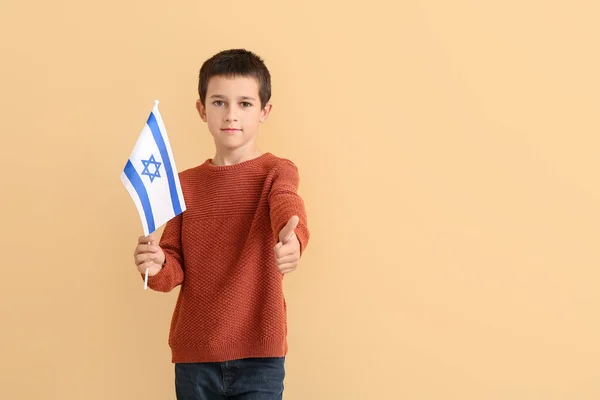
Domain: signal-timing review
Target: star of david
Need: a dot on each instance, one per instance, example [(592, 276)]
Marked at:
[(147, 163)]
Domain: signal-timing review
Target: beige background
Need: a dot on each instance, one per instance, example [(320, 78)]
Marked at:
[(449, 162)]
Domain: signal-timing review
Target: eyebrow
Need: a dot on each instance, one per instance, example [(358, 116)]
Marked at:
[(220, 96)]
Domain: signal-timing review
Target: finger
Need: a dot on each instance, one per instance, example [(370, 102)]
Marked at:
[(289, 238), (282, 251), (292, 258), (284, 269), (286, 250), (277, 249), (142, 266), (146, 257), (288, 229), (147, 266), (150, 264), (147, 239), (145, 248)]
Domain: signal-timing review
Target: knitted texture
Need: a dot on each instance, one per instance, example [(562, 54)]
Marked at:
[(220, 250)]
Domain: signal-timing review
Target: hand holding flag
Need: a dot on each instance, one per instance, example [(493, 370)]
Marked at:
[(149, 257), (287, 251)]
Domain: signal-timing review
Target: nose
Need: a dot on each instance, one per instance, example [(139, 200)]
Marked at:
[(230, 116)]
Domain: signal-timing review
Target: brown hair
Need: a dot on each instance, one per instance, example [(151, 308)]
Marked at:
[(236, 62)]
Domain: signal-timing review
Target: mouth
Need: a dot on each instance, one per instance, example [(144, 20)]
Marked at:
[(230, 130)]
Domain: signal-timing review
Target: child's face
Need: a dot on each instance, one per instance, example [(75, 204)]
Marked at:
[(233, 111)]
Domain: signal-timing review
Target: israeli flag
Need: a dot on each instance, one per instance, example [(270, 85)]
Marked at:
[(150, 176)]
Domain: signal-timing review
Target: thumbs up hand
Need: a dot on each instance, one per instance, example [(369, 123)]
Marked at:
[(287, 251)]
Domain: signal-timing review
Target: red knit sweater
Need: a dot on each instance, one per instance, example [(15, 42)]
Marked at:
[(220, 250)]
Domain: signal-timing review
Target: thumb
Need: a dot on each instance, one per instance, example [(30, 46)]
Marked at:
[(151, 238), (288, 229)]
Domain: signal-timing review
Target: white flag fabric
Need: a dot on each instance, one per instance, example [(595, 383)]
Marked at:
[(150, 175)]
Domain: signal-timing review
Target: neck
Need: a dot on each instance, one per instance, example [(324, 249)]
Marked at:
[(231, 157)]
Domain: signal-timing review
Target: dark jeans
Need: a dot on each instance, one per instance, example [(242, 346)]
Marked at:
[(246, 379)]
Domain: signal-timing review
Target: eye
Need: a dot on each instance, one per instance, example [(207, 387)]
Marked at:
[(245, 104), (218, 103)]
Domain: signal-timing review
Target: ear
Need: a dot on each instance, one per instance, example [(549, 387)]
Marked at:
[(264, 113), (201, 110)]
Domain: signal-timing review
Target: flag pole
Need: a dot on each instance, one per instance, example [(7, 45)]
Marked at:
[(146, 280)]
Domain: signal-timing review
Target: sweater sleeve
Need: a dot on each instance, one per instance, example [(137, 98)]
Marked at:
[(171, 274), (284, 203)]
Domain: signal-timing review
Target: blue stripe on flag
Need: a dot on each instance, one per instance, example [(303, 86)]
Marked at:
[(140, 189), (166, 161)]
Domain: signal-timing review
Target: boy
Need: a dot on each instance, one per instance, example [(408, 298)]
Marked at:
[(244, 228)]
